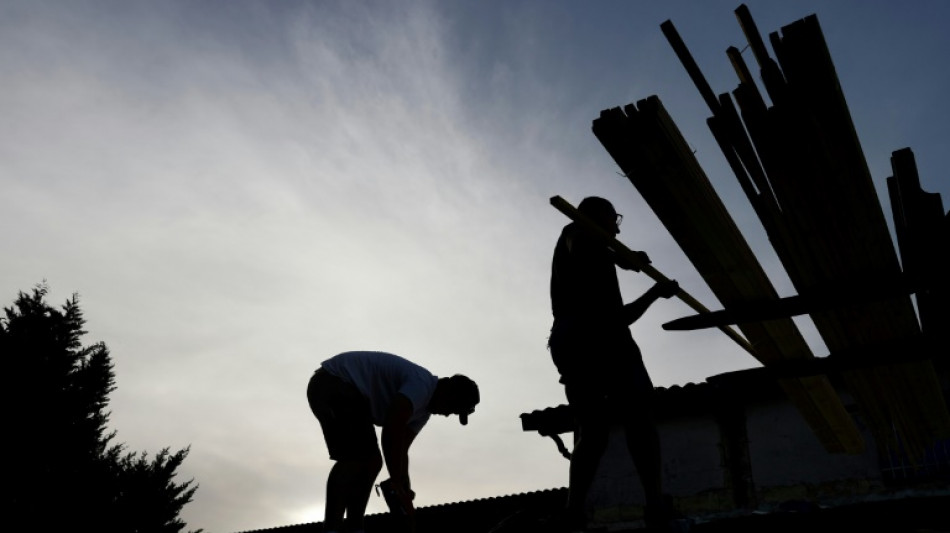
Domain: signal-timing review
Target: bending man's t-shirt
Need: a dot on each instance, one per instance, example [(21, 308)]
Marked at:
[(380, 376)]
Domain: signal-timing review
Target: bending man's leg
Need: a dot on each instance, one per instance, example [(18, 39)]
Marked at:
[(351, 440), (348, 489), (338, 485), (361, 488)]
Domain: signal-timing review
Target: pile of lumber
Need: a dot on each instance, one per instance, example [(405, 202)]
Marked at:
[(799, 161), (653, 154)]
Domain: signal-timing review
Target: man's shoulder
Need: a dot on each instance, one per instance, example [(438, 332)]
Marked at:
[(368, 362), (569, 235), (575, 241)]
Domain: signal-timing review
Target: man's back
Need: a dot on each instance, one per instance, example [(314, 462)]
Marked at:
[(380, 376), (584, 282)]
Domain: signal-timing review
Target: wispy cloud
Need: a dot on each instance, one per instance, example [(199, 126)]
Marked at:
[(240, 190)]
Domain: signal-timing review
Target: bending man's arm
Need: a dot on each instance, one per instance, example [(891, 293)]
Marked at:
[(396, 439)]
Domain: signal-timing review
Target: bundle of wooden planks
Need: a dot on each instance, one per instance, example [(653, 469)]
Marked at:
[(652, 153), (801, 165)]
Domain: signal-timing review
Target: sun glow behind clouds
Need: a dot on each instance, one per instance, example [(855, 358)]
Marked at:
[(257, 224), (306, 515)]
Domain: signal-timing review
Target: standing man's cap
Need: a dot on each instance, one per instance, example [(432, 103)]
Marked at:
[(465, 396)]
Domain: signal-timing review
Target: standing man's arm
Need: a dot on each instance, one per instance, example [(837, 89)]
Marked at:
[(396, 439), (635, 309)]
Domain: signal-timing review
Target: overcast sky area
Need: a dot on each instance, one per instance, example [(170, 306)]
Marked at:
[(239, 190)]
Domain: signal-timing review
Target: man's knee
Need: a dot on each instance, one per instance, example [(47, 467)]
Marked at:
[(369, 463), (375, 463), (369, 458)]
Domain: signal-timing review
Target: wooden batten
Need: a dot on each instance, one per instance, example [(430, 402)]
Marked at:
[(924, 244)]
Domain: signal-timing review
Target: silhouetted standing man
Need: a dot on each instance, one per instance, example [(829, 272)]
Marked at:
[(599, 362), (352, 392)]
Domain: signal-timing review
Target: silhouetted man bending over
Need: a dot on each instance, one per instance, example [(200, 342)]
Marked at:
[(599, 362), (352, 392)]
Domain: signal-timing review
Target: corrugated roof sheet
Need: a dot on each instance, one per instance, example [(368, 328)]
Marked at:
[(473, 516)]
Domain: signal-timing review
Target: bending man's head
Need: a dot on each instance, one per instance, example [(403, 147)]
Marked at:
[(457, 395)]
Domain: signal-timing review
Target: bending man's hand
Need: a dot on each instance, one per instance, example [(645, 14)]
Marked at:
[(404, 496)]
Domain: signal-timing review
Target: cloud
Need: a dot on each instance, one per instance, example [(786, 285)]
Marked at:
[(240, 190)]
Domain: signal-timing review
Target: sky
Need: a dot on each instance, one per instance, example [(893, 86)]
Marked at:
[(239, 190)]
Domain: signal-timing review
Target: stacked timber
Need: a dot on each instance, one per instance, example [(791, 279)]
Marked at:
[(803, 170), (652, 153)]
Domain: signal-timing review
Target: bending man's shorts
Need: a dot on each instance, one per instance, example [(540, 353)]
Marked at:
[(344, 416)]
